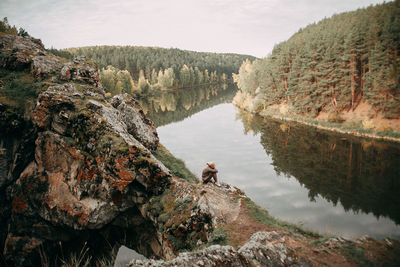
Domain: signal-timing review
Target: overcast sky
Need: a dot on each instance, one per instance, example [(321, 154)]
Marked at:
[(241, 26)]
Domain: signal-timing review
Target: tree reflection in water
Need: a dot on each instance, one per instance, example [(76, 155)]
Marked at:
[(361, 174), (166, 107)]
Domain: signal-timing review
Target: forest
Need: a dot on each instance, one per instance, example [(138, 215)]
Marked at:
[(134, 68), (331, 66)]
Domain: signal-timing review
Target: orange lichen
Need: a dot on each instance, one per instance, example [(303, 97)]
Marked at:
[(85, 174), (75, 153), (41, 116), (80, 214), (19, 203), (120, 162), (100, 160), (132, 152), (126, 175), (119, 184)]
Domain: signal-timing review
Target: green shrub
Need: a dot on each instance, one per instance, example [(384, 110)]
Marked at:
[(218, 237), (176, 166)]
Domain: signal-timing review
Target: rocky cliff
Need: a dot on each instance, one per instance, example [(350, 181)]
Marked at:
[(78, 171), (78, 176), (76, 161)]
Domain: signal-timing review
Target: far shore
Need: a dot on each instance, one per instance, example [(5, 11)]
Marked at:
[(317, 124)]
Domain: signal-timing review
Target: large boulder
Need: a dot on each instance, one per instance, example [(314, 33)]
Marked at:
[(76, 163)]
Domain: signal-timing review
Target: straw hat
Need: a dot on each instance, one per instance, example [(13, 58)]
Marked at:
[(211, 164)]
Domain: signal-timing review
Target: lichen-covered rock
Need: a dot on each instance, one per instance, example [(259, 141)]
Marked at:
[(269, 249), (263, 249), (215, 255), (87, 163), (45, 64), (133, 116), (82, 70), (17, 52)]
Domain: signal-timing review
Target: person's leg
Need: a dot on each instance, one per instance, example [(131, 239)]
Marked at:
[(207, 179), (214, 175)]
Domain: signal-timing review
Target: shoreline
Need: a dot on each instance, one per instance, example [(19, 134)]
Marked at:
[(335, 129), (317, 124)]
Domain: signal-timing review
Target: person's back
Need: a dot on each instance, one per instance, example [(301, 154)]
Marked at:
[(209, 172)]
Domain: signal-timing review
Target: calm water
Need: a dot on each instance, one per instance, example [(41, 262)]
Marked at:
[(326, 182)]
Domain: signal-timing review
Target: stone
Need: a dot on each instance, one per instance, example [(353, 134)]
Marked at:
[(42, 65), (82, 70), (257, 252), (137, 123)]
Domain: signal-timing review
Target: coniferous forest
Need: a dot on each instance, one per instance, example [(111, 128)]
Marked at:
[(129, 68), (331, 66)]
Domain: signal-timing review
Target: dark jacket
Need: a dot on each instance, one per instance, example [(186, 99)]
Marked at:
[(208, 171)]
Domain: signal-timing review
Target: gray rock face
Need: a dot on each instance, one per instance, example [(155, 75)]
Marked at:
[(132, 115), (42, 65), (263, 249), (18, 52), (268, 249), (83, 71), (215, 255)]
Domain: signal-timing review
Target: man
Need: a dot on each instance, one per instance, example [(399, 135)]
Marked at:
[(209, 172)]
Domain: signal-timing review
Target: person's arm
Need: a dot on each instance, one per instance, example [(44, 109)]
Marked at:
[(213, 170)]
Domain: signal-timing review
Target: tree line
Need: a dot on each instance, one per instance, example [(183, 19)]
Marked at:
[(332, 65), (158, 68), (6, 28)]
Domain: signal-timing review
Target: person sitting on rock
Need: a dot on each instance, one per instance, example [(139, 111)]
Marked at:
[(209, 172)]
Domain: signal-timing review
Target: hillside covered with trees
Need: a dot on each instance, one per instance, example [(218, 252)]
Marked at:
[(128, 68), (331, 67)]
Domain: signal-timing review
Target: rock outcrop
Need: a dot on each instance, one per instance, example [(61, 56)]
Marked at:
[(263, 249), (77, 162)]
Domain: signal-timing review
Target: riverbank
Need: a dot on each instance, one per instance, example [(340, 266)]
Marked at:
[(247, 234), (356, 123), (239, 220)]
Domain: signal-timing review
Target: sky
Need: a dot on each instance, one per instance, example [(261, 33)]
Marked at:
[(250, 27)]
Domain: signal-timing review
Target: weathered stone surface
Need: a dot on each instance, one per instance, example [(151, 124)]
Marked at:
[(263, 249), (17, 52), (133, 116), (86, 163), (82, 70), (269, 249), (42, 65)]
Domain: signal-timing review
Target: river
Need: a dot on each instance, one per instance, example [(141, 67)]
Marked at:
[(323, 181)]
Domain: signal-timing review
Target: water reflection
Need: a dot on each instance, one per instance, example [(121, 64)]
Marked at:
[(362, 175), (173, 106), (324, 181)]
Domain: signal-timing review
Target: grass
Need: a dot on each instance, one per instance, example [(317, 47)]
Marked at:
[(218, 237), (177, 166), (356, 254), (19, 89), (264, 217), (77, 259)]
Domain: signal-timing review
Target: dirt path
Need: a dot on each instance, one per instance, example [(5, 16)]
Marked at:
[(327, 253), (241, 229)]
